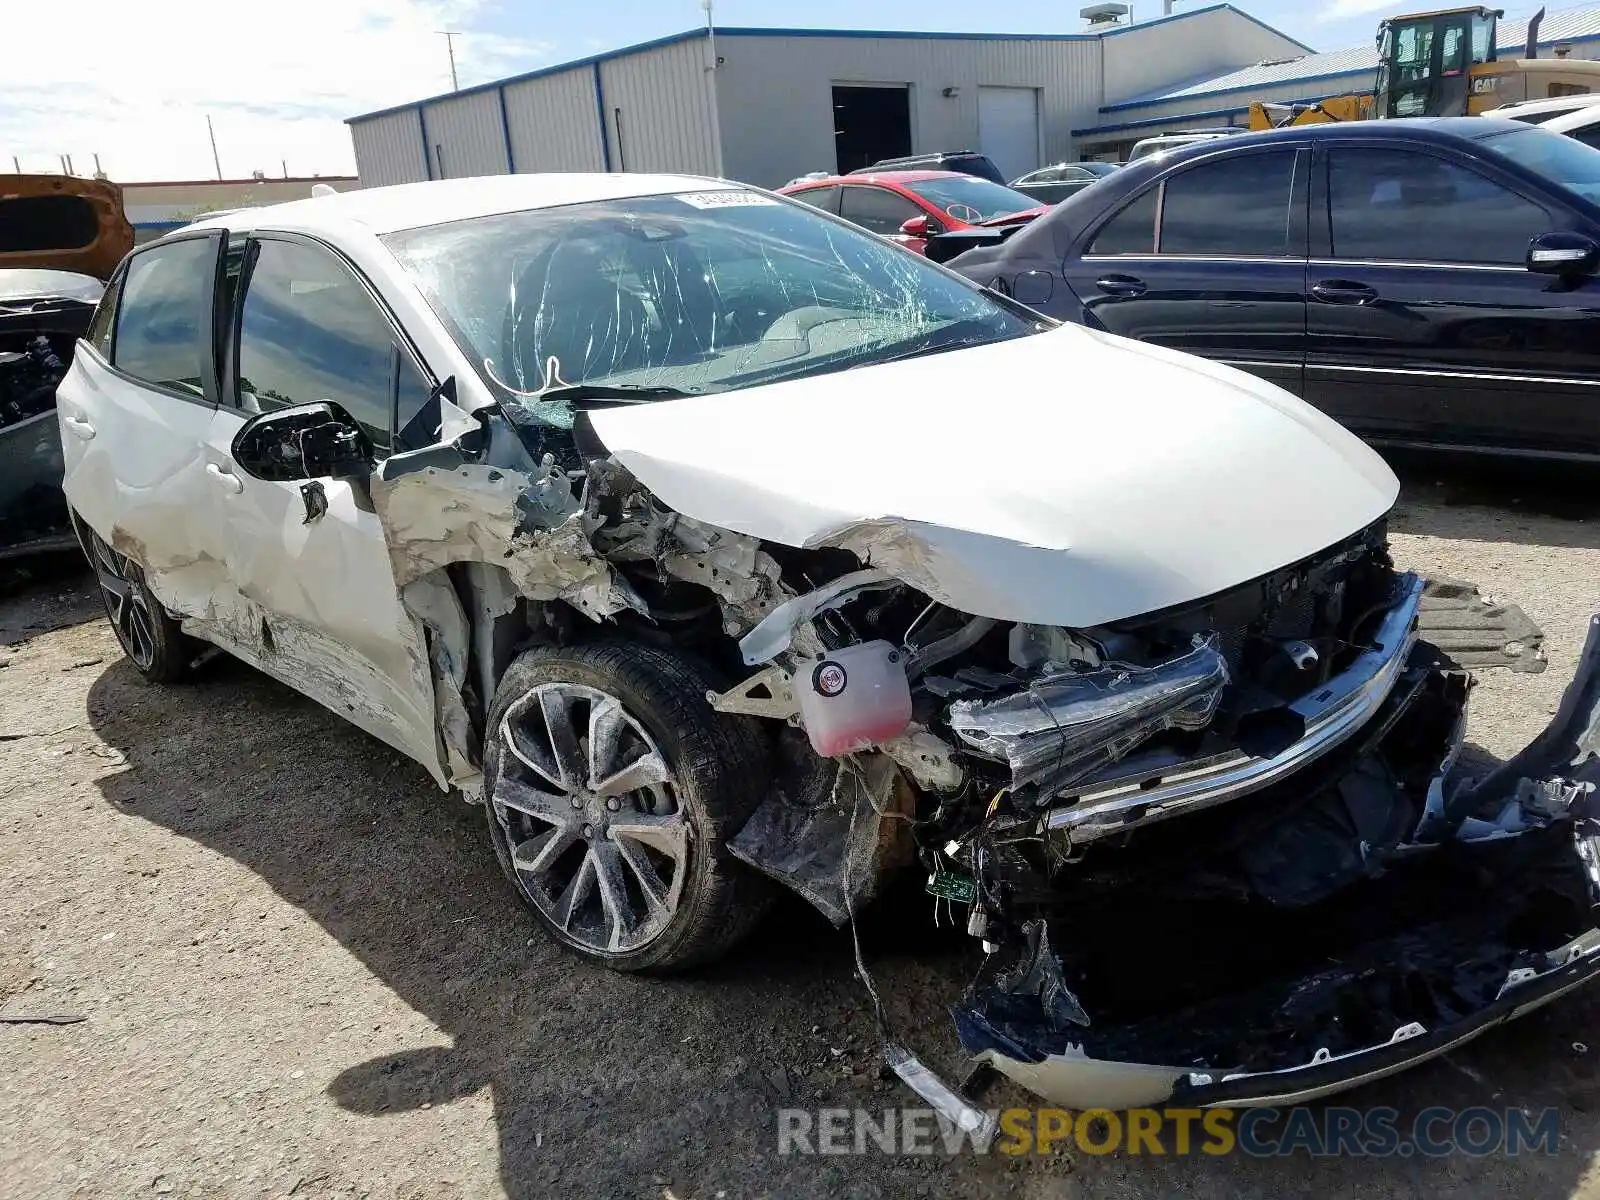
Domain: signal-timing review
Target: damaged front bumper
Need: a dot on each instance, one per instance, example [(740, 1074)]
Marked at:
[(1144, 792), (1482, 911)]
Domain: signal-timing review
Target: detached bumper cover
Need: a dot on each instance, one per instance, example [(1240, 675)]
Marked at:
[(1562, 766)]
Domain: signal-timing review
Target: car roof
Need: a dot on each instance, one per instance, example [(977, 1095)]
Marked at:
[(1425, 129), (410, 205), (1572, 122), (1517, 109), (900, 177)]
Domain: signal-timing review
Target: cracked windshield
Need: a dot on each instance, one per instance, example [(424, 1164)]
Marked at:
[(679, 294)]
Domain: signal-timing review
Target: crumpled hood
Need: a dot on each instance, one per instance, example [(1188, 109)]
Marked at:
[(1067, 478)]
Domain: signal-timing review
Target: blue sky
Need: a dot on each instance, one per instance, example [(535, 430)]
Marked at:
[(278, 80)]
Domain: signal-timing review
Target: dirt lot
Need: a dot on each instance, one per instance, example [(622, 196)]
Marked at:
[(303, 975)]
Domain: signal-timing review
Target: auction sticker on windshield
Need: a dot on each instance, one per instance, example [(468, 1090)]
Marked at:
[(723, 199)]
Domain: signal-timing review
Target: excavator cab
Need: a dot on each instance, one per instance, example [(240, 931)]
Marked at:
[(1426, 61)]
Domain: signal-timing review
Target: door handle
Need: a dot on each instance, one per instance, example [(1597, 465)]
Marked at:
[(1121, 285), (1344, 291), (225, 477), (78, 427)]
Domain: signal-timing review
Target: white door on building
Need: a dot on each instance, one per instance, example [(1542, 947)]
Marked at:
[(1008, 128)]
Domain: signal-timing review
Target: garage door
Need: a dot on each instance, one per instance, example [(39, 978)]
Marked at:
[(1008, 128)]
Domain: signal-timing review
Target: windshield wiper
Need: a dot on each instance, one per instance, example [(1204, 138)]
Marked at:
[(614, 393)]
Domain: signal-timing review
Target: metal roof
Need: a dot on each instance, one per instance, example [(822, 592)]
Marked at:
[(1575, 26)]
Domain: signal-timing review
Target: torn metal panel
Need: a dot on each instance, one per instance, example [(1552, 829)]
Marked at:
[(1065, 725), (438, 510), (776, 630), (432, 600), (732, 567)]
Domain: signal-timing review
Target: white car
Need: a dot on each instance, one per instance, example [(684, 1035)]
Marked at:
[(709, 541), (1545, 110), (1583, 124)]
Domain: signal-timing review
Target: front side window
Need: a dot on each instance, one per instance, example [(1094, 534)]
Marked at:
[(163, 320), (877, 209), (967, 198), (697, 292), (309, 331), (1397, 205), (1237, 206)]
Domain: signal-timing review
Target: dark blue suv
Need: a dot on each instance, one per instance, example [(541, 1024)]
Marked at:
[(1426, 282)]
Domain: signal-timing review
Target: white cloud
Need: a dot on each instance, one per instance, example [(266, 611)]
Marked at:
[(1339, 10), (278, 80)]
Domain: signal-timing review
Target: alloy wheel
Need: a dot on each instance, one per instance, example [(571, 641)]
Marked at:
[(128, 602), (590, 809)]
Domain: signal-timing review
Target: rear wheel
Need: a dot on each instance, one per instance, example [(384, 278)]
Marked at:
[(612, 788), (150, 638)]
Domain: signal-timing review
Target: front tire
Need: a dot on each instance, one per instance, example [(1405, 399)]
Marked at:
[(150, 638), (612, 788)]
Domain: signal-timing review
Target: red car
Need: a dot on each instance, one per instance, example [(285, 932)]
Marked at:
[(909, 207)]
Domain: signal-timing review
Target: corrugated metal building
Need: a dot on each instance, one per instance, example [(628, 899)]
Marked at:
[(780, 103), (1210, 99), (157, 208)]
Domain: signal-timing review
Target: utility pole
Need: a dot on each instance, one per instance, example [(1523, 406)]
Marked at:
[(216, 159), (450, 36)]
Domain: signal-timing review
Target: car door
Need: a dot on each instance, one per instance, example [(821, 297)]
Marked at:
[(882, 211), (317, 600), (1209, 259), (1425, 326), (134, 410)]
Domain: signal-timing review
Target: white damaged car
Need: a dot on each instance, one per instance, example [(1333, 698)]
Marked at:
[(714, 545)]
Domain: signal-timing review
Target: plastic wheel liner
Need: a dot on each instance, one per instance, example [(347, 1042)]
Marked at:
[(1329, 930)]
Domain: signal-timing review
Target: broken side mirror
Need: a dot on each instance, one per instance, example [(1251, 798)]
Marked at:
[(1563, 253), (308, 441)]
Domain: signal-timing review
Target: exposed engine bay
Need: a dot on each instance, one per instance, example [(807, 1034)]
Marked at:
[(31, 367), (36, 344)]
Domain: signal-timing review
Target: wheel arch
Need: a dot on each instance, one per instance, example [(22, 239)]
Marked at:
[(476, 623)]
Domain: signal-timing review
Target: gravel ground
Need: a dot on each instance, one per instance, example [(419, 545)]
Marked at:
[(303, 975)]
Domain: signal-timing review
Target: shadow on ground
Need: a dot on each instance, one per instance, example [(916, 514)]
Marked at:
[(1499, 502)]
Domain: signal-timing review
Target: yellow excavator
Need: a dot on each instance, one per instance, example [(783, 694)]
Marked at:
[(1443, 64)]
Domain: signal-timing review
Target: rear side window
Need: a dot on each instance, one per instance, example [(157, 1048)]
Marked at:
[(163, 323), (1396, 205), (309, 331), (1131, 231), (1238, 206), (825, 198)]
